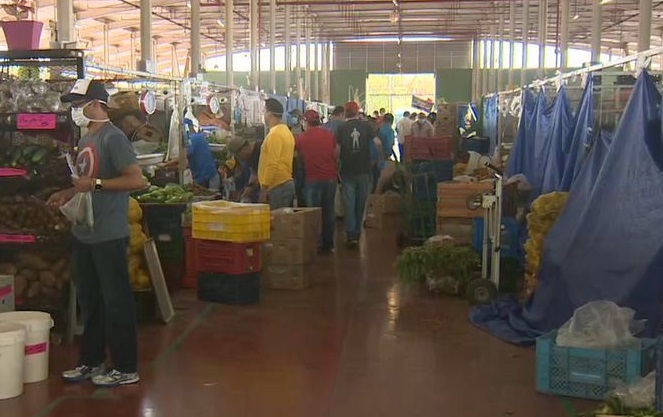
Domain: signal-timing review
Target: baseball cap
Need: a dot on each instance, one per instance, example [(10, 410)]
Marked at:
[(235, 144), (87, 90), (312, 116), (352, 107)]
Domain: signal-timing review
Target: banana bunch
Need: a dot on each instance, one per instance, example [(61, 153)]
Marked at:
[(544, 213)]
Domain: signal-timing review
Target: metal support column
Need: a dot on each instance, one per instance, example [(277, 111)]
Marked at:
[(476, 71), (298, 53), (253, 43), (288, 52), (316, 69), (327, 69), (230, 42), (174, 64), (500, 56), (512, 40), (146, 53), (492, 78), (324, 81), (195, 38), (564, 35), (523, 71), (64, 24), (484, 72), (106, 46), (132, 52), (307, 70), (597, 22), (644, 38), (543, 35), (272, 46)]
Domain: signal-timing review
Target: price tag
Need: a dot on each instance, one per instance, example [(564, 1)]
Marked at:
[(13, 172), (36, 121), (9, 238)]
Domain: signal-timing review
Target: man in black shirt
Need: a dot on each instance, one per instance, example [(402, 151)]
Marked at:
[(354, 138)]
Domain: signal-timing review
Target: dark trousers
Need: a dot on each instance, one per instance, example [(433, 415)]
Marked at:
[(323, 194), (101, 273), (401, 153), (355, 192)]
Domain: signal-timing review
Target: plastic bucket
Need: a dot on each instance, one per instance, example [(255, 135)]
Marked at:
[(38, 330), (12, 346)]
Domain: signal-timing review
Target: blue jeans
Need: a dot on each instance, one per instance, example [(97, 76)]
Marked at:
[(282, 195), (355, 193), (323, 194)]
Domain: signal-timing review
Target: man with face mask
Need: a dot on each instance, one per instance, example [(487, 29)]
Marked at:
[(107, 168), (422, 128)]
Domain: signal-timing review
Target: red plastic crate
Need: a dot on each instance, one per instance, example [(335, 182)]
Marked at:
[(428, 149), (227, 258)]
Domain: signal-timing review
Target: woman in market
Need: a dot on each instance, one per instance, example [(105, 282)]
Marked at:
[(108, 169)]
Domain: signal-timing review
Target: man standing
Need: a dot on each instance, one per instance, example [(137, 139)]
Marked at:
[(108, 169), (317, 148), (335, 120), (354, 139), (422, 128), (403, 129), (276, 156)]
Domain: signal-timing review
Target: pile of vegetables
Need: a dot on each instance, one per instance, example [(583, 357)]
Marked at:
[(170, 194), (544, 213), (29, 214), (38, 274), (138, 275), (444, 267), (614, 407), (27, 156)]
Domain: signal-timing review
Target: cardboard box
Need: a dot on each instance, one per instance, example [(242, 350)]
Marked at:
[(7, 293), (391, 222), (461, 229), (287, 277), (296, 223), (292, 251), (384, 204), (452, 198)]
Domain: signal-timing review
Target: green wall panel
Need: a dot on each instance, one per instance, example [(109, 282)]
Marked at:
[(454, 84), (341, 83)]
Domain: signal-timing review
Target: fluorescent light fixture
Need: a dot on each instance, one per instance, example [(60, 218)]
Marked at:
[(576, 16), (220, 22), (395, 39), (188, 4), (605, 1)]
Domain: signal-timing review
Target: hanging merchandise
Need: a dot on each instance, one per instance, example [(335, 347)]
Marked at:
[(490, 115), (606, 244), (251, 106), (174, 133), (554, 152), (581, 135)]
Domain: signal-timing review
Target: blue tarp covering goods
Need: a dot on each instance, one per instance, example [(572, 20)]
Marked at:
[(606, 244), (557, 144)]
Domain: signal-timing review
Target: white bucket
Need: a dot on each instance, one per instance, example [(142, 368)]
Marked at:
[(12, 346), (38, 330)]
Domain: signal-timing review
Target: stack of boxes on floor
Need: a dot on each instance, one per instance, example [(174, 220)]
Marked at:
[(454, 217), (446, 123), (292, 248), (385, 212), (227, 241)]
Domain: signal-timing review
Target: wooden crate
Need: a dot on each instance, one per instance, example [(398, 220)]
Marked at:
[(452, 198)]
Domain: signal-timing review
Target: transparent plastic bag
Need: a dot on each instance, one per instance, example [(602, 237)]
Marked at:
[(600, 325), (639, 395), (79, 210)]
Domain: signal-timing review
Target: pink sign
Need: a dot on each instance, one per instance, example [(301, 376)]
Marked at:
[(13, 172), (5, 291), (5, 238), (36, 121), (36, 349)]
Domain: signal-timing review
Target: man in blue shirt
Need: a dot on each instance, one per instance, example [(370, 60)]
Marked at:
[(201, 162), (337, 117)]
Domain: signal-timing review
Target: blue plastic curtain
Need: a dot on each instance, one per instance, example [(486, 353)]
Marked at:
[(557, 144), (606, 244), (490, 116), (519, 161), (538, 137), (581, 136)]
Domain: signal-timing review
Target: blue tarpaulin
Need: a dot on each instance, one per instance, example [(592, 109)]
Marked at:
[(606, 244), (557, 143), (490, 115), (519, 161), (538, 138), (581, 136)]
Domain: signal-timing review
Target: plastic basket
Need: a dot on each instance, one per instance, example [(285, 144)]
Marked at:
[(589, 373), (231, 222), (227, 258), (229, 289)]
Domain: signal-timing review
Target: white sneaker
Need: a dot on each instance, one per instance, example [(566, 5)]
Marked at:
[(114, 378)]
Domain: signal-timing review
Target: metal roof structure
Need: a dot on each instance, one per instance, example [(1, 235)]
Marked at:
[(334, 21)]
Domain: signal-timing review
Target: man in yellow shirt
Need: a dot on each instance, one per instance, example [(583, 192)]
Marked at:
[(276, 156)]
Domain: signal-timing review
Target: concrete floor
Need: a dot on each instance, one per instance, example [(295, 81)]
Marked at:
[(357, 344)]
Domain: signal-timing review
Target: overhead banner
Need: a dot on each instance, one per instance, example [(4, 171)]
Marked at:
[(422, 104)]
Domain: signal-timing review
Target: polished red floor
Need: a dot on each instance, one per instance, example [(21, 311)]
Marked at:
[(357, 344)]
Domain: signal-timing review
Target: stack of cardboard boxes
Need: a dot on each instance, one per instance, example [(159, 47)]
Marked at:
[(454, 217), (385, 212), (293, 247), (447, 119)]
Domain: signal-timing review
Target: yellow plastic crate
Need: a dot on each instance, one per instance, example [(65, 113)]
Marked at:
[(231, 222)]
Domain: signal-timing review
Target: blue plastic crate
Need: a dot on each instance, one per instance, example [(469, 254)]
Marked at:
[(441, 170), (589, 373), (478, 145), (511, 243)]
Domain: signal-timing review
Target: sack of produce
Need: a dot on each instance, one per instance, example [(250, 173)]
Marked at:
[(544, 213)]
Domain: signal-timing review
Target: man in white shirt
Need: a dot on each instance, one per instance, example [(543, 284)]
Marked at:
[(403, 129)]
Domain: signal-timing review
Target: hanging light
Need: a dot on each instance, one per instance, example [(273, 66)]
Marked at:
[(605, 1), (220, 22), (395, 16), (576, 16)]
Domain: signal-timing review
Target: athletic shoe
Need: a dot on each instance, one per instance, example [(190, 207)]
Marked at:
[(82, 373), (114, 378)]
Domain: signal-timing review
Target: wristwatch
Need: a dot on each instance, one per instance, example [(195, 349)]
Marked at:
[(97, 185)]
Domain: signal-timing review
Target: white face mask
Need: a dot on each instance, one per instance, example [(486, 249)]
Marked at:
[(80, 119)]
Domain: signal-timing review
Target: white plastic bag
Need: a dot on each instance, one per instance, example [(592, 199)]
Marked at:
[(600, 325), (79, 210), (639, 395)]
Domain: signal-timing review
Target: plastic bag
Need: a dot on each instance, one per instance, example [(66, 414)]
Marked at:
[(79, 210), (639, 395), (600, 325)]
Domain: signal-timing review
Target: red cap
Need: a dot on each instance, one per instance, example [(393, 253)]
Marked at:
[(352, 107), (312, 116)]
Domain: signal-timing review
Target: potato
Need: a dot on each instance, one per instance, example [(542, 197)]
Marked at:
[(20, 285), (33, 289), (47, 279), (24, 260), (8, 269), (29, 274), (58, 267)]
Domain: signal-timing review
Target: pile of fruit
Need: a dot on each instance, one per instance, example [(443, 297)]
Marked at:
[(138, 275), (38, 275), (545, 211), (170, 194), (27, 156), (29, 214)]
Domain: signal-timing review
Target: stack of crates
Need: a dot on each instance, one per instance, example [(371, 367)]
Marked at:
[(228, 240), (164, 225), (428, 161)]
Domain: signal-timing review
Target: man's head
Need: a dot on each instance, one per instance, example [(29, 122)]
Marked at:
[(312, 118), (273, 112), (383, 111), (351, 109), (413, 116), (376, 114), (406, 115), (388, 119), (89, 102), (240, 148), (421, 117), (338, 112)]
